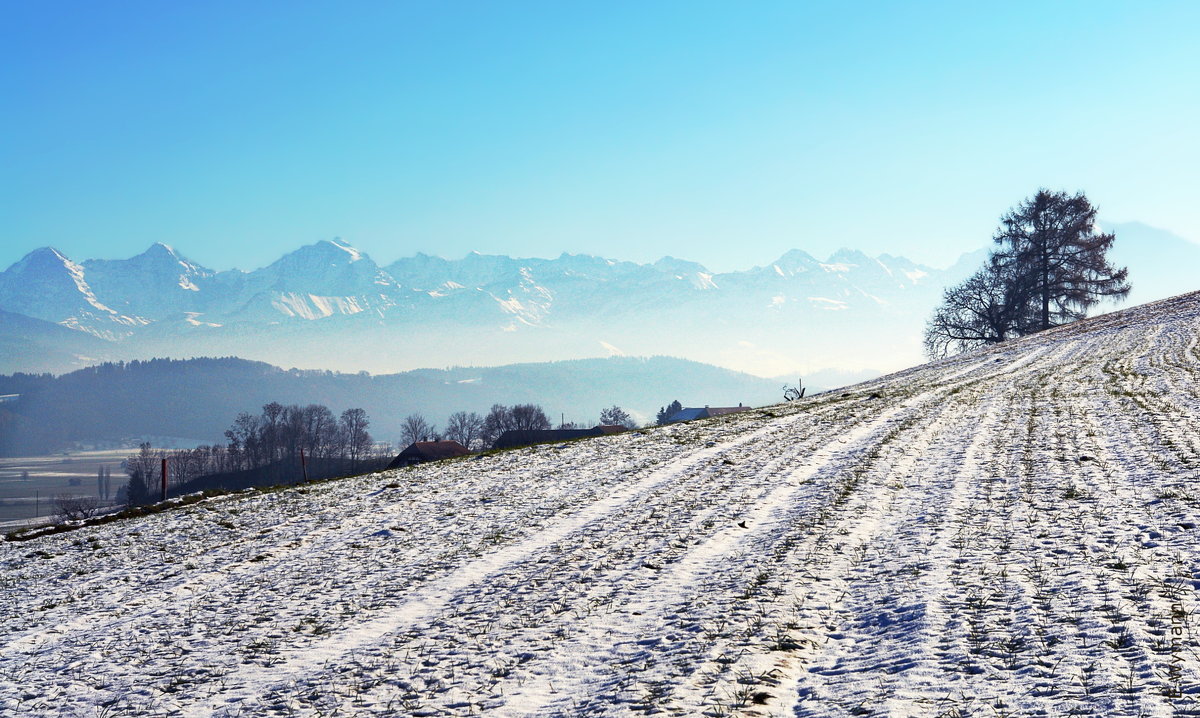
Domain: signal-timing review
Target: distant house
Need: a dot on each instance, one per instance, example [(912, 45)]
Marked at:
[(420, 452), (692, 413), (511, 439)]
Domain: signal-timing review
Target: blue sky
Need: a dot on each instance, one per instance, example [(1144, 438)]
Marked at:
[(722, 132)]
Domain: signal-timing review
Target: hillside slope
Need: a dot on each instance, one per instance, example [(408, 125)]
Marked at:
[(1009, 532)]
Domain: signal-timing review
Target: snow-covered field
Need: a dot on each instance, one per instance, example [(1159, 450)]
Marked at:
[(1012, 532)]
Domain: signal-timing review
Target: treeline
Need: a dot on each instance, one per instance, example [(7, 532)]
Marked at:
[(196, 399), (478, 432), (472, 430), (281, 433), (261, 448)]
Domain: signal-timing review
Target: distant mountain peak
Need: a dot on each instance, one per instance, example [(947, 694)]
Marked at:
[(337, 243), (160, 247), (43, 256), (330, 252), (793, 261), (674, 265), (46, 285), (794, 255), (161, 255), (848, 256)]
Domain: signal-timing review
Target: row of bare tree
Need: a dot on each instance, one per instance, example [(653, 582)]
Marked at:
[(278, 435), (281, 433), (479, 432), (472, 430)]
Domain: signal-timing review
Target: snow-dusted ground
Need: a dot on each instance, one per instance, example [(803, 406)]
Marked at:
[(1012, 532)]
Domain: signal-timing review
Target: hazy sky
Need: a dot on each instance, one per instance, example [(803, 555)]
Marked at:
[(722, 132)]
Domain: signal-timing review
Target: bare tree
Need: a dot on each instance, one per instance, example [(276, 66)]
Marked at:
[(353, 426), (498, 420), (987, 308), (243, 438), (529, 417), (465, 428), (142, 474), (1049, 269), (75, 508), (320, 428), (271, 431), (415, 428)]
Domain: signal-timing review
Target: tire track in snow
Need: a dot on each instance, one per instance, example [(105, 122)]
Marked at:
[(1141, 483), (566, 687), (443, 593), (432, 598), (908, 542)]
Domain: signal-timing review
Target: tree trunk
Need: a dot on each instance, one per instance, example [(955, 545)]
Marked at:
[(1045, 290)]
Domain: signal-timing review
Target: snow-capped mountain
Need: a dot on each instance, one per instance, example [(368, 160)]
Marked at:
[(46, 285), (156, 284), (330, 306), (314, 282)]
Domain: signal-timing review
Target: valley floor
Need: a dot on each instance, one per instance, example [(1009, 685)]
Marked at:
[(1012, 532)]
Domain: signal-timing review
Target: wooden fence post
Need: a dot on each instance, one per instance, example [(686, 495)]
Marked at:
[(164, 479), (304, 465)]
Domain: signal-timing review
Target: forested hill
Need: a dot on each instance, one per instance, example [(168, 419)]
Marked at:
[(198, 398)]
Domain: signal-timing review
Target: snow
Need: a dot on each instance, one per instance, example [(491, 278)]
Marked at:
[(1008, 532), (512, 305), (191, 318), (613, 350), (354, 254), (312, 306), (839, 267), (828, 304)]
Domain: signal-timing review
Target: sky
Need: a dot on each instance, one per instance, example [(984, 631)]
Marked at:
[(725, 133)]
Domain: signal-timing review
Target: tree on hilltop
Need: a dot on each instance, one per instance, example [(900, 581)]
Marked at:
[(616, 416), (1052, 243), (1049, 268)]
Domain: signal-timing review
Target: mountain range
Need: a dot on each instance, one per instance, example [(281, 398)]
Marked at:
[(330, 306)]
